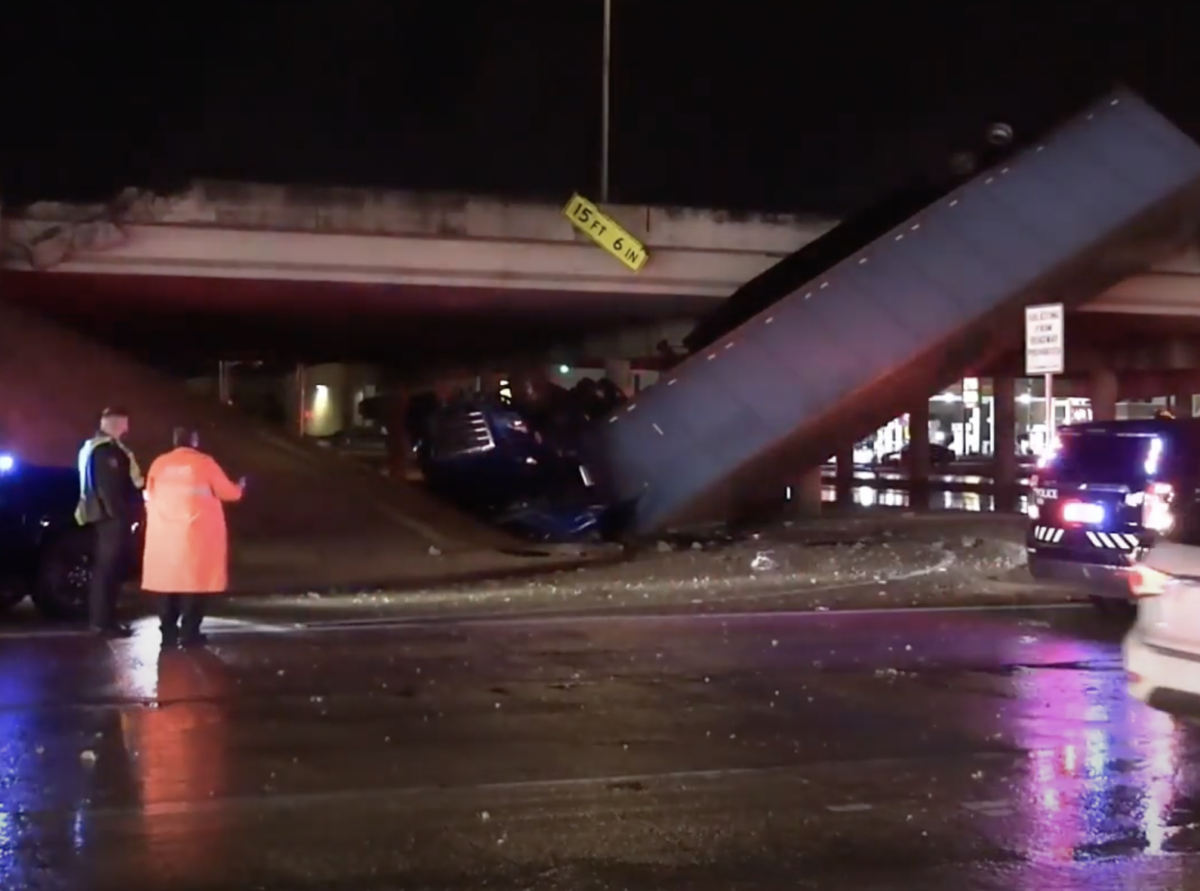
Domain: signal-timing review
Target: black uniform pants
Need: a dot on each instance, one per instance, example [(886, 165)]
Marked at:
[(111, 544), (186, 607)]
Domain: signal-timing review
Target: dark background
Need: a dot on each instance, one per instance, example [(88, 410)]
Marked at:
[(764, 105)]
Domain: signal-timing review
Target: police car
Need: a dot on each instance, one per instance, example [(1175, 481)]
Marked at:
[(44, 554), (1104, 494)]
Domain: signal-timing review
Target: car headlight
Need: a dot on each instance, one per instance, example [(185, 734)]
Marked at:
[(7, 463)]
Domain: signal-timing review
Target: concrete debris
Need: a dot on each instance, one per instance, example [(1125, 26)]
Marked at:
[(763, 562)]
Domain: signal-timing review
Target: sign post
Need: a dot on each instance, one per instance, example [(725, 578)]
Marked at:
[(1045, 349), (605, 99)]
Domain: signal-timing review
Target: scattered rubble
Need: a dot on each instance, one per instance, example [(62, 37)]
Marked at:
[(802, 565)]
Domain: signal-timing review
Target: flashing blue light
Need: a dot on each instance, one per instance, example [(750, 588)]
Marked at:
[(7, 463), (1152, 458)]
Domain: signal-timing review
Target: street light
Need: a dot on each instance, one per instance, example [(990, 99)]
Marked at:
[(605, 75)]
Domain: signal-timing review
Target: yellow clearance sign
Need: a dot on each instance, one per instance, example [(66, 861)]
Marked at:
[(603, 230)]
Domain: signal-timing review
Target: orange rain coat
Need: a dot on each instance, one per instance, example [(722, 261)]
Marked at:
[(187, 550)]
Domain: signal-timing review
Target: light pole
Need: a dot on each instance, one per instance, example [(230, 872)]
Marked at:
[(605, 75)]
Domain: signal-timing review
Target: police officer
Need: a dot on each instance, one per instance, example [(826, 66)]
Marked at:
[(110, 484)]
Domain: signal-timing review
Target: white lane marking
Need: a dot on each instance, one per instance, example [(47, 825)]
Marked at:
[(247, 627), (1001, 808), (240, 627), (214, 625), (847, 808), (609, 617), (985, 805), (43, 633), (375, 793)]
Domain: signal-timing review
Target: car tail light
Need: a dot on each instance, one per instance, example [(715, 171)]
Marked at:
[(1147, 582), (1156, 507), (1082, 512)]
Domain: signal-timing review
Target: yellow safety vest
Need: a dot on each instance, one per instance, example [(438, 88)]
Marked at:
[(85, 458)]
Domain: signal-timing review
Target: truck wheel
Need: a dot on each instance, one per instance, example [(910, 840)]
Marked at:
[(62, 577)]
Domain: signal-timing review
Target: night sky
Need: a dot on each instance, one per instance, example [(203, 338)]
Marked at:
[(758, 105)]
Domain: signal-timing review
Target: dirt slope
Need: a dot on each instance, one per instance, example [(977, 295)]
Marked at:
[(55, 381)]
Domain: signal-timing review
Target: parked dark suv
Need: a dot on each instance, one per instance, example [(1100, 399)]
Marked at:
[(44, 554), (1105, 493)]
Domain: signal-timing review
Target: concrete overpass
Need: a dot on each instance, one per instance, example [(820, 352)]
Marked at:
[(431, 245), (373, 274), (278, 233)]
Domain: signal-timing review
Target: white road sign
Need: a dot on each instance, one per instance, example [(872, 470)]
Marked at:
[(1045, 342)]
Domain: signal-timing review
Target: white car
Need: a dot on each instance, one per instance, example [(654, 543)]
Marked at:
[(1162, 650)]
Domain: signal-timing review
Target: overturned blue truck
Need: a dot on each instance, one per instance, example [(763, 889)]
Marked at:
[(896, 303), (519, 463)]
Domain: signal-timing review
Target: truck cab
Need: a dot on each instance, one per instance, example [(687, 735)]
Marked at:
[(518, 470), (1104, 494)]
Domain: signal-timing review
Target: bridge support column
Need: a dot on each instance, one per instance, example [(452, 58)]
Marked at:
[(1004, 417), (529, 384), (806, 493), (1103, 395), (844, 481), (299, 400), (225, 382), (620, 372), (399, 446), (918, 455)]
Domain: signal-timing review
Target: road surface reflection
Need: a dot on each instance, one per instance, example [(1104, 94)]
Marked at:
[(876, 495), (1104, 772)]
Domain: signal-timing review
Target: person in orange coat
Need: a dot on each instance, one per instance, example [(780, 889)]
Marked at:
[(187, 550)]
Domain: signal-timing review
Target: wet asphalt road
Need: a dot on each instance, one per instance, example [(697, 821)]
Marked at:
[(906, 749)]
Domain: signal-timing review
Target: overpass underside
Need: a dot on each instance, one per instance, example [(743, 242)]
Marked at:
[(182, 322), (853, 329)]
